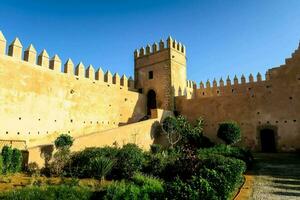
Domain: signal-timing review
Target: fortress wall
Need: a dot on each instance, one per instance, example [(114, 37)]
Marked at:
[(39, 102), (272, 103)]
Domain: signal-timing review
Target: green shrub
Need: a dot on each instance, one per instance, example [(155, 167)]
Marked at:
[(129, 160), (228, 151), (205, 190), (33, 169), (229, 132), (48, 193), (228, 173), (185, 165), (155, 148), (155, 164), (180, 190), (63, 141), (7, 157), (140, 187), (16, 160), (61, 159), (80, 164)]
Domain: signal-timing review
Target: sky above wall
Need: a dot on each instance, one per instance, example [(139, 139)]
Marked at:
[(221, 37)]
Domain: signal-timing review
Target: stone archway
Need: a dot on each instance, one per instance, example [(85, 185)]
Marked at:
[(151, 101)]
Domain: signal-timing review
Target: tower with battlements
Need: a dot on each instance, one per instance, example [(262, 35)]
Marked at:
[(160, 73)]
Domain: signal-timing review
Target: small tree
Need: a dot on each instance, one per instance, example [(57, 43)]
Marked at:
[(170, 129), (16, 161), (7, 157), (64, 141), (229, 132), (101, 166), (62, 157)]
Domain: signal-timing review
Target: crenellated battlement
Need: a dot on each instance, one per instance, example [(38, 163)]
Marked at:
[(159, 47), (228, 87), (30, 55)]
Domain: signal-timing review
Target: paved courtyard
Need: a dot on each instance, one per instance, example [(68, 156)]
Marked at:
[(276, 176)]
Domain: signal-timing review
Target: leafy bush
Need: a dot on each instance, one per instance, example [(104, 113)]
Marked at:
[(225, 172), (229, 132), (60, 160), (229, 151), (155, 148), (33, 169), (129, 160), (185, 165), (140, 187), (12, 159), (48, 193), (16, 160), (80, 164), (195, 188), (180, 190), (155, 164), (7, 157), (63, 141)]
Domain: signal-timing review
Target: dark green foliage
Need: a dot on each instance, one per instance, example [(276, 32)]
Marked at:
[(129, 160), (179, 189), (16, 160), (33, 169), (189, 135), (63, 141), (195, 188), (7, 156), (80, 164), (228, 151), (229, 132), (48, 193), (184, 165), (140, 187), (12, 159), (155, 164), (228, 173), (60, 160), (156, 148)]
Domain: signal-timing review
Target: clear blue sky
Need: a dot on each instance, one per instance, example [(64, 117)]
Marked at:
[(222, 37)]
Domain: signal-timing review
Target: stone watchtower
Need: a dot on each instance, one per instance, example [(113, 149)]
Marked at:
[(160, 73)]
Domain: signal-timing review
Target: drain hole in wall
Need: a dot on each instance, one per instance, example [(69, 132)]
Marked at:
[(55, 120), (29, 133), (71, 120), (291, 98), (91, 122), (39, 119), (18, 133), (285, 121), (38, 132), (294, 120), (20, 118), (69, 131), (6, 132), (276, 122)]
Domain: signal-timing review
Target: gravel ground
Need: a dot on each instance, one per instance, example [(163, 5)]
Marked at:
[(276, 177)]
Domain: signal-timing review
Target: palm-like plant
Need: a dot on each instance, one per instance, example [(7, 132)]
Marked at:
[(101, 166)]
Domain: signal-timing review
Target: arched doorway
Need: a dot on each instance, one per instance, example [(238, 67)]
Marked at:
[(267, 139), (151, 101)]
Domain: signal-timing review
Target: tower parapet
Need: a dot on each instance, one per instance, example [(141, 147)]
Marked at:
[(161, 67)]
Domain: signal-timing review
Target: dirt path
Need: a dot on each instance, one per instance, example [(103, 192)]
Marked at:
[(276, 177)]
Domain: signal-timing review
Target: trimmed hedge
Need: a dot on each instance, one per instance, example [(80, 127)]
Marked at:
[(228, 151), (229, 132), (48, 193)]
